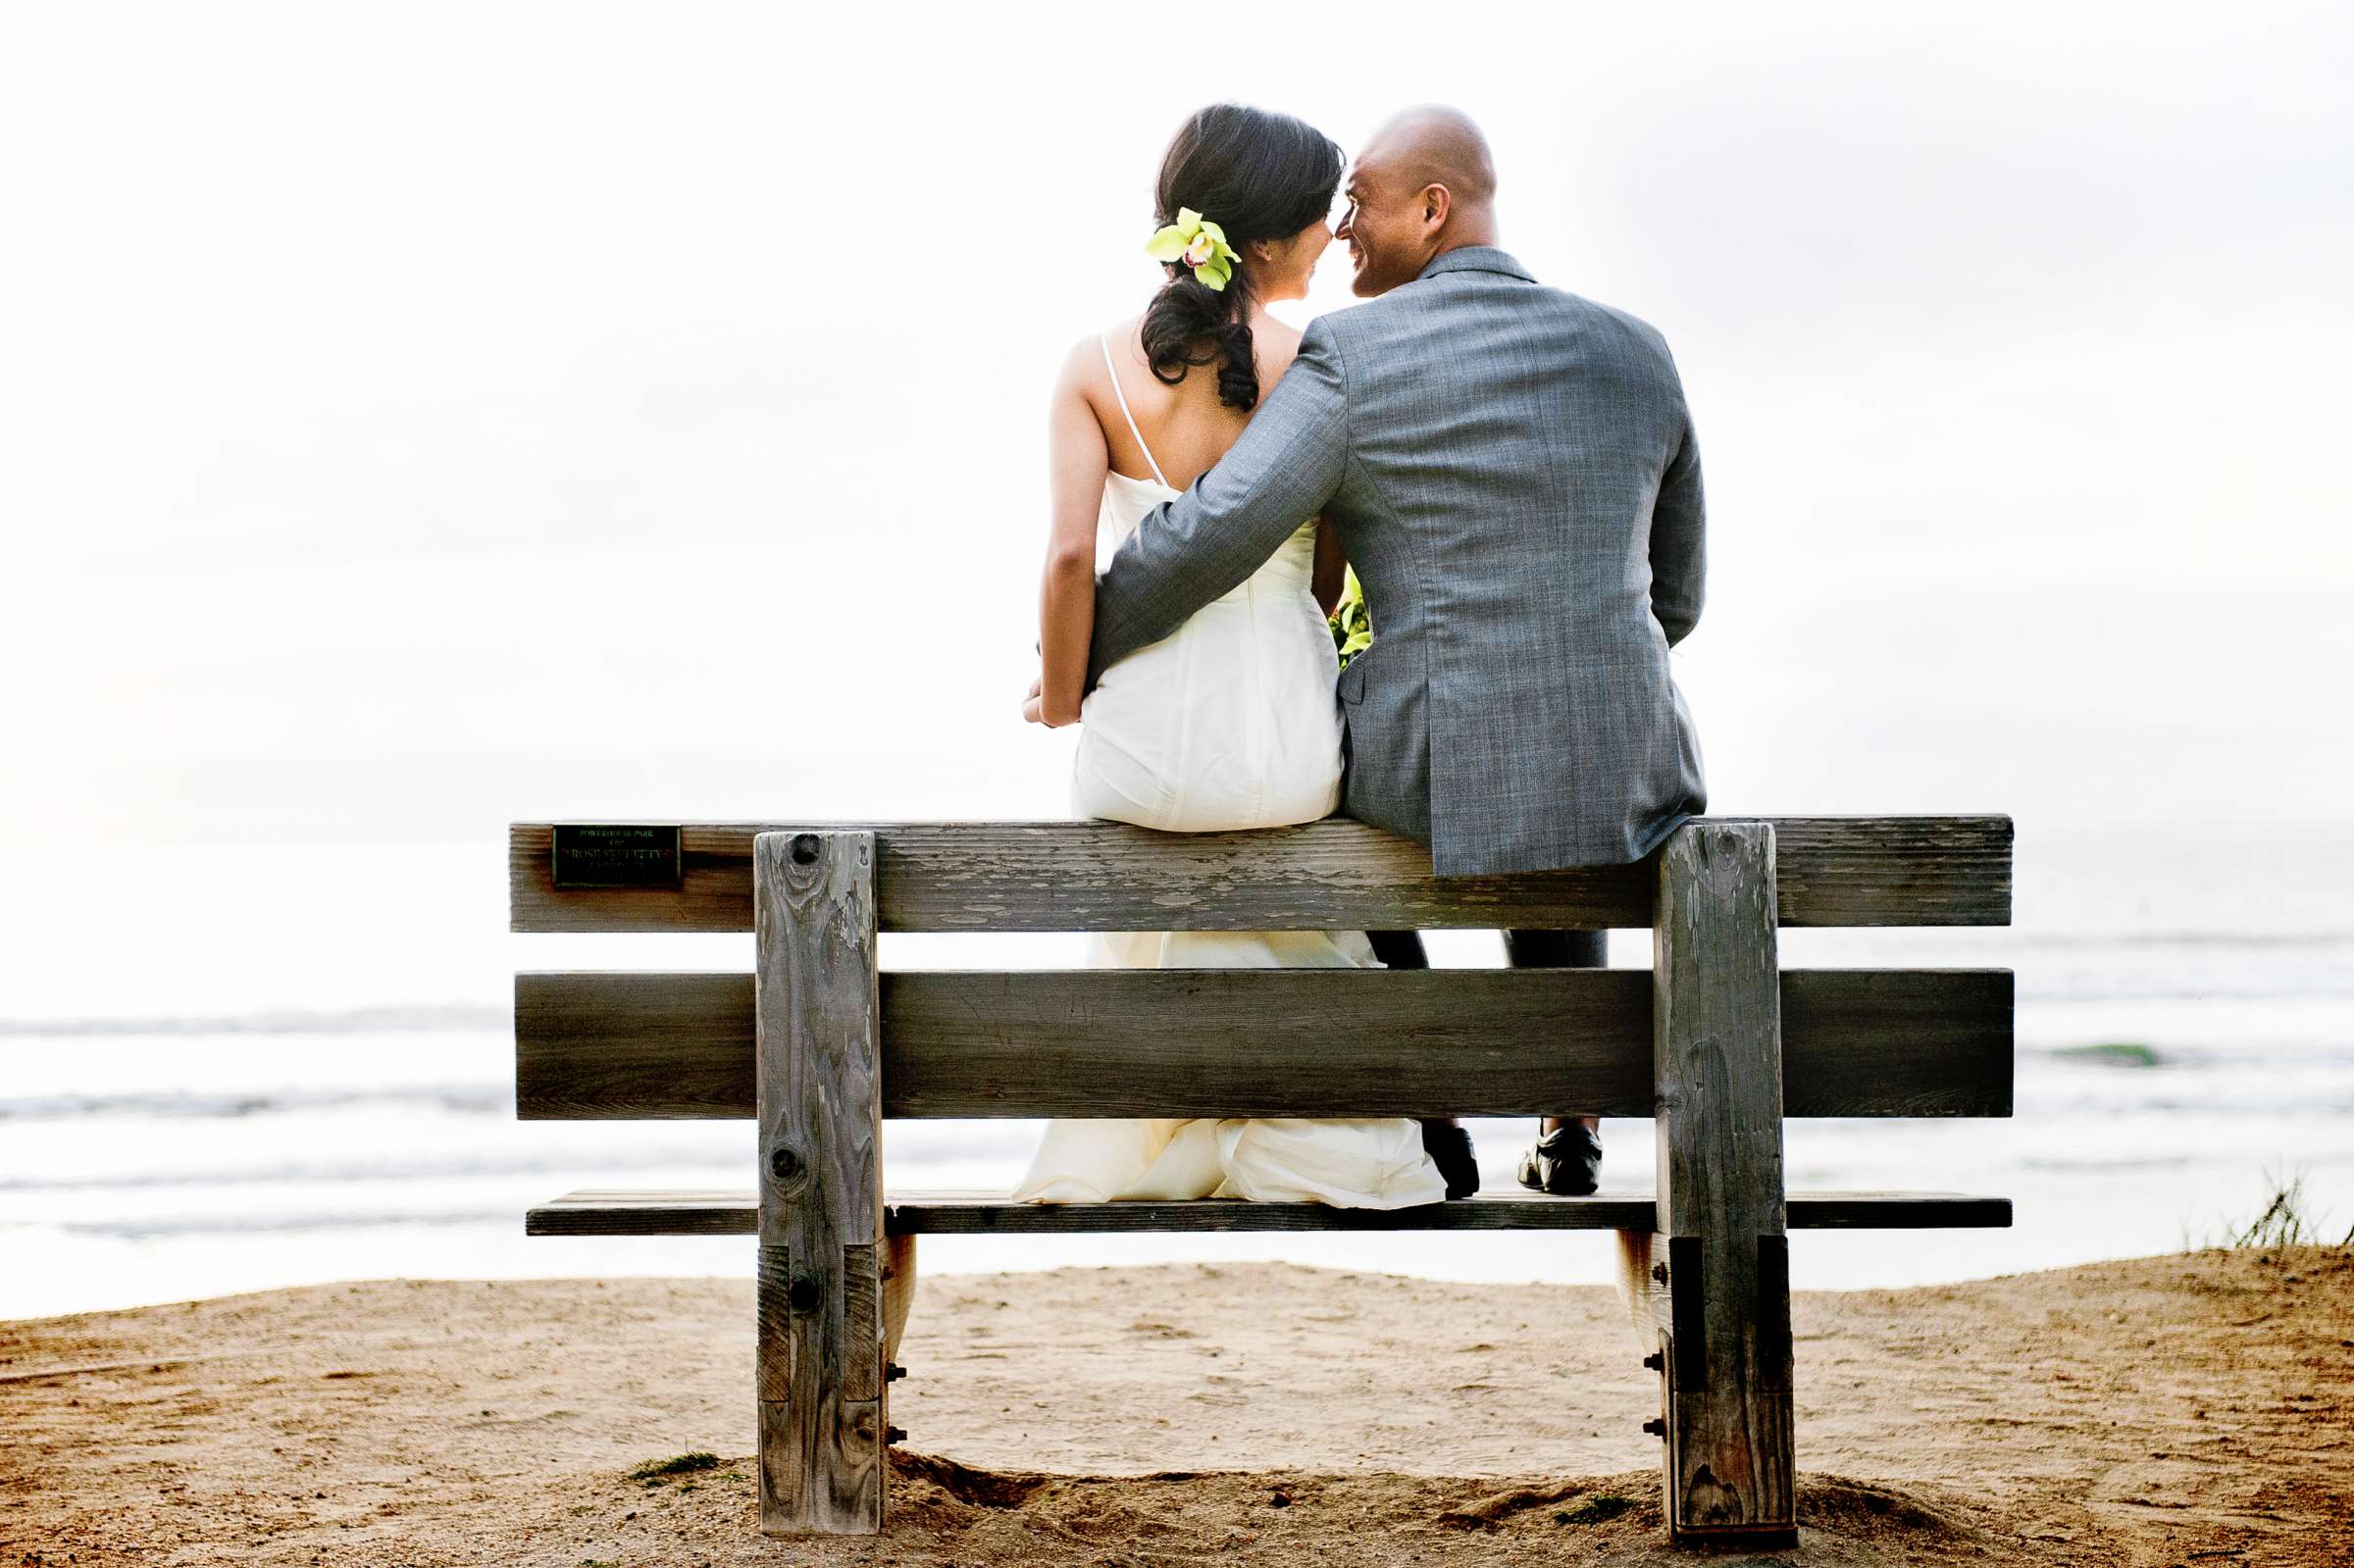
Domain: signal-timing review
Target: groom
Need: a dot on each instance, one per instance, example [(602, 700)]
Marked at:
[(1512, 474)]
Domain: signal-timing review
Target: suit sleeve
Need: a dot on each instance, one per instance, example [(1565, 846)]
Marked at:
[(1679, 542), (1191, 550)]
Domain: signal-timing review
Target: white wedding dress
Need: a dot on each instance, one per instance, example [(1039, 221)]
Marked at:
[(1228, 723)]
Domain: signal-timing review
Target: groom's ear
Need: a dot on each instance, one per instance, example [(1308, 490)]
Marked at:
[(1437, 202)]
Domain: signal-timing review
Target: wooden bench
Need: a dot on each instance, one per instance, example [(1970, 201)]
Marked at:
[(819, 1044)]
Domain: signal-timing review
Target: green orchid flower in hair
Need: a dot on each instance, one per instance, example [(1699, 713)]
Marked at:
[(1198, 243)]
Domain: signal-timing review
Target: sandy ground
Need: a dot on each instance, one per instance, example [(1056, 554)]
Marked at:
[(2186, 1410)]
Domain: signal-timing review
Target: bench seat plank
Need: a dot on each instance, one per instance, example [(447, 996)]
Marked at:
[(1333, 874), (735, 1213), (621, 1045)]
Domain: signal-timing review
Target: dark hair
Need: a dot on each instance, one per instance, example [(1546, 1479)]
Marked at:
[(1256, 176)]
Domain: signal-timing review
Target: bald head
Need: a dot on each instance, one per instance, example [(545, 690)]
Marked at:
[(1432, 144), (1423, 186)]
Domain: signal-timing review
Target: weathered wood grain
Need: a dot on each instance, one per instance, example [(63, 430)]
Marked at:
[(1104, 876), (1906, 1042), (818, 1100), (1716, 1041), (1294, 1042), (772, 1319), (897, 1269), (863, 1304), (1637, 1289), (721, 1212)]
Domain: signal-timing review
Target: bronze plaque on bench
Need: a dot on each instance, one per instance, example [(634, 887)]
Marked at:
[(622, 856)]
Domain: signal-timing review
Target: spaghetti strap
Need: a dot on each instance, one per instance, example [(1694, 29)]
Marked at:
[(1104, 344)]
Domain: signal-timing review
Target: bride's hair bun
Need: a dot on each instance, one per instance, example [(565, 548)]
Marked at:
[(1256, 176)]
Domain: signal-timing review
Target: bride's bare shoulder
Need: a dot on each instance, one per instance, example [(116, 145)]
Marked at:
[(1084, 369), (1274, 344)]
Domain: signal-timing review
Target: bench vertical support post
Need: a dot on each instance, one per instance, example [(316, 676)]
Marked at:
[(819, 1352), (1717, 1064)]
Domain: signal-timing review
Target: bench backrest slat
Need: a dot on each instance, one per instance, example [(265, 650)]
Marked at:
[(1334, 874), (1261, 1042)]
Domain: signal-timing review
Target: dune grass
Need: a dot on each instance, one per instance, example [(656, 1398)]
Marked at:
[(654, 1472), (1601, 1508), (2284, 1220)]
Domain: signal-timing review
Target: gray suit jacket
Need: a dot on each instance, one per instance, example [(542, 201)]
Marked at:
[(1513, 474)]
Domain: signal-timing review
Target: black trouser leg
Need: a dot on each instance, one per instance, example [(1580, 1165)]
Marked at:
[(1562, 949), (1398, 949), (1558, 949)]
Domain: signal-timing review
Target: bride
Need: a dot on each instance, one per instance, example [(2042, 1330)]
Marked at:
[(1230, 722)]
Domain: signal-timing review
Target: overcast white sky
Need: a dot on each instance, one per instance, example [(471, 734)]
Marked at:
[(418, 416)]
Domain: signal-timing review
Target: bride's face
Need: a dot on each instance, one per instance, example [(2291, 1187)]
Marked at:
[(1288, 264)]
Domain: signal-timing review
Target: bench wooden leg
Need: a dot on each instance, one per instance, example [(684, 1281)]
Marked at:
[(1634, 1286), (1721, 1261), (819, 1351), (898, 1293)]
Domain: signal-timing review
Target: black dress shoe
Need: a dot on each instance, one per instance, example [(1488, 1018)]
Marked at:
[(1565, 1162), (1450, 1149)]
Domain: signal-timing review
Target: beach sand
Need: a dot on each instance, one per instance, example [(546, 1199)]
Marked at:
[(2190, 1409)]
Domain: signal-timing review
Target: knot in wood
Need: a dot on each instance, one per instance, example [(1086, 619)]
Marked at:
[(805, 1293), (786, 1167), (804, 849)]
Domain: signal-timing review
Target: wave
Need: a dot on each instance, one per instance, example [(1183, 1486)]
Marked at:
[(2259, 941), (2044, 989), (454, 1018), (2130, 1056), (2097, 1165), (465, 1099), (146, 1229), (384, 1171)]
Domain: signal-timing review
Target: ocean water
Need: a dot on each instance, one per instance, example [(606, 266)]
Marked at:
[(161, 1142)]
